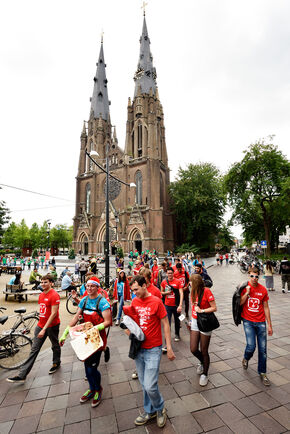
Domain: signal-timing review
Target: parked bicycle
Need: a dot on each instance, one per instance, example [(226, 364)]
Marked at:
[(14, 346), (25, 323)]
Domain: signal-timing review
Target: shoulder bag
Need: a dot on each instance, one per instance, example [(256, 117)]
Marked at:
[(206, 322)]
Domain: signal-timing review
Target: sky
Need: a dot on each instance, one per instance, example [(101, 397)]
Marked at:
[(223, 73)]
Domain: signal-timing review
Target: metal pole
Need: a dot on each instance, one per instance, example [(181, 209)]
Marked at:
[(107, 242)]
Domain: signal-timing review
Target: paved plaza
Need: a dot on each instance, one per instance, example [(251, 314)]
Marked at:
[(233, 401)]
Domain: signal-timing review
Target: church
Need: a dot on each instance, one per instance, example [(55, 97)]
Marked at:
[(140, 216)]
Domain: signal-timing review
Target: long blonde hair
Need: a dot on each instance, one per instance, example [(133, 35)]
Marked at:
[(197, 286)]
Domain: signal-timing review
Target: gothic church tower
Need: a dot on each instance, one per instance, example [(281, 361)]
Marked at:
[(140, 217)]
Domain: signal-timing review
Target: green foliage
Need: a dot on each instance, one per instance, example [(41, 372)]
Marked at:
[(258, 190), (186, 247), (225, 237), (4, 216), (35, 253), (120, 252), (71, 254), (61, 236), (198, 202)]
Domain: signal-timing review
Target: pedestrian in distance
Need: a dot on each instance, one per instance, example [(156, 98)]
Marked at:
[(199, 341), (285, 274), (217, 257), (121, 293), (152, 314), (255, 313), (269, 276), (47, 326)]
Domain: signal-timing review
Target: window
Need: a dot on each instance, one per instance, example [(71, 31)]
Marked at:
[(139, 140), (88, 198), (138, 182)]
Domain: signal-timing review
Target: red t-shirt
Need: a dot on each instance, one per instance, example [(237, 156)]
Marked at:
[(253, 309), (207, 297), (45, 301), (170, 298), (154, 268), (154, 290), (150, 311), (136, 269), (181, 277), (154, 277)]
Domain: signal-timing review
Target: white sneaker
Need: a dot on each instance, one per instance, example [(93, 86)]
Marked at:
[(199, 369), (164, 350), (203, 380), (283, 290), (117, 322)]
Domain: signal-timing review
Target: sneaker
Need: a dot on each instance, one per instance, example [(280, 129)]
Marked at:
[(144, 418), (97, 398), (164, 350), (54, 368), (203, 380), (265, 380), (86, 396), (161, 418), (117, 322), (177, 338), (135, 375), (199, 369), (107, 354), (283, 290), (15, 380), (287, 291), (245, 363)]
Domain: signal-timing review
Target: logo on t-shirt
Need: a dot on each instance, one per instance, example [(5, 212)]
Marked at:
[(42, 309), (253, 304), (144, 314)]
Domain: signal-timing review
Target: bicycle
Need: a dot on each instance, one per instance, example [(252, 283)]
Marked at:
[(71, 305), (14, 347), (24, 324)]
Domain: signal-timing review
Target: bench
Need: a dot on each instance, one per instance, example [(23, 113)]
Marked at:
[(25, 293)]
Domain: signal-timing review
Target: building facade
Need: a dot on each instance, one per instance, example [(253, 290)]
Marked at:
[(140, 217)]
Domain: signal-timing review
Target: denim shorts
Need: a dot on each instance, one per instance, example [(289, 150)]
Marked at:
[(195, 328)]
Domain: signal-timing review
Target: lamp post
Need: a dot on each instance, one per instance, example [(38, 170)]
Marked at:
[(107, 236), (48, 234)]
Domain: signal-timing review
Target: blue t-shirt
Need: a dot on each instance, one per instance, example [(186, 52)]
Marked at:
[(120, 288), (92, 304), (83, 289), (12, 280)]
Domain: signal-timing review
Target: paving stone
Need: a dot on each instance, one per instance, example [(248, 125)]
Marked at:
[(51, 419), (55, 403), (183, 388), (31, 408), (58, 389), (175, 376), (25, 425), (285, 373), (137, 430), (231, 392), (222, 430), (37, 393), (167, 391), (247, 407), (122, 403), (5, 427), (247, 387), (125, 419), (265, 401), (9, 413), (243, 426), (278, 393), (183, 363), (14, 398), (104, 409), (281, 415), (266, 424), (77, 413), (194, 402), (175, 407), (117, 377), (77, 428), (42, 381), (228, 412), (276, 379), (120, 389), (208, 419), (214, 397), (136, 386), (79, 386), (218, 380), (219, 367)]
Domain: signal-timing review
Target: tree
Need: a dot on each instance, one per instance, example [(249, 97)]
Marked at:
[(61, 235), (198, 201), (225, 236), (34, 236), (4, 217), (22, 235), (8, 239), (257, 189)]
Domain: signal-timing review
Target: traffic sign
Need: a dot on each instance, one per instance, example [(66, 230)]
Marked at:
[(264, 243)]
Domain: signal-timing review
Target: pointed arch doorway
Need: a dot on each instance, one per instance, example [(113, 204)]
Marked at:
[(83, 244), (135, 240)]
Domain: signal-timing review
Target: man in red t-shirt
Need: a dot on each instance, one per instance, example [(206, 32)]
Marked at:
[(172, 289), (47, 326), (183, 276), (152, 314), (255, 313)]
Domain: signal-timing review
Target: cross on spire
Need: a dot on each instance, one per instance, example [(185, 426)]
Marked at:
[(144, 7)]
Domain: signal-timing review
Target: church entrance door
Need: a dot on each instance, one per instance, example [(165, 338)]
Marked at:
[(138, 245)]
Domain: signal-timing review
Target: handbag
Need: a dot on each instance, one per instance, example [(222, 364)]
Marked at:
[(206, 322)]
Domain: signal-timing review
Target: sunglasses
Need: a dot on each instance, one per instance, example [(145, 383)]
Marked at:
[(254, 277)]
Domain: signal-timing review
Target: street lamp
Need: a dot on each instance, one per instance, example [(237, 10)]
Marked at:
[(48, 234), (92, 155)]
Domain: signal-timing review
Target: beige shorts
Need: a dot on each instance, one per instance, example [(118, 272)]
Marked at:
[(195, 328)]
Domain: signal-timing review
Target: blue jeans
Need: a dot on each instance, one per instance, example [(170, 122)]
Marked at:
[(147, 364), (259, 330), (92, 373), (121, 304)]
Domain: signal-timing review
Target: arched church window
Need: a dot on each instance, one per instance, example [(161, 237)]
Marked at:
[(88, 198), (138, 182), (139, 140)]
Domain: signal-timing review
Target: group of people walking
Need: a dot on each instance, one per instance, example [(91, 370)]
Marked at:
[(155, 296)]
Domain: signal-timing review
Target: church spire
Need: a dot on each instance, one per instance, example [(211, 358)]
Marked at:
[(100, 101), (145, 76)]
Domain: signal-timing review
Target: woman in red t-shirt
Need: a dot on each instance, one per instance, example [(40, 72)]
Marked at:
[(199, 341)]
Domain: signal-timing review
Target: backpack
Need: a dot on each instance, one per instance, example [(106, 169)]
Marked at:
[(99, 312)]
